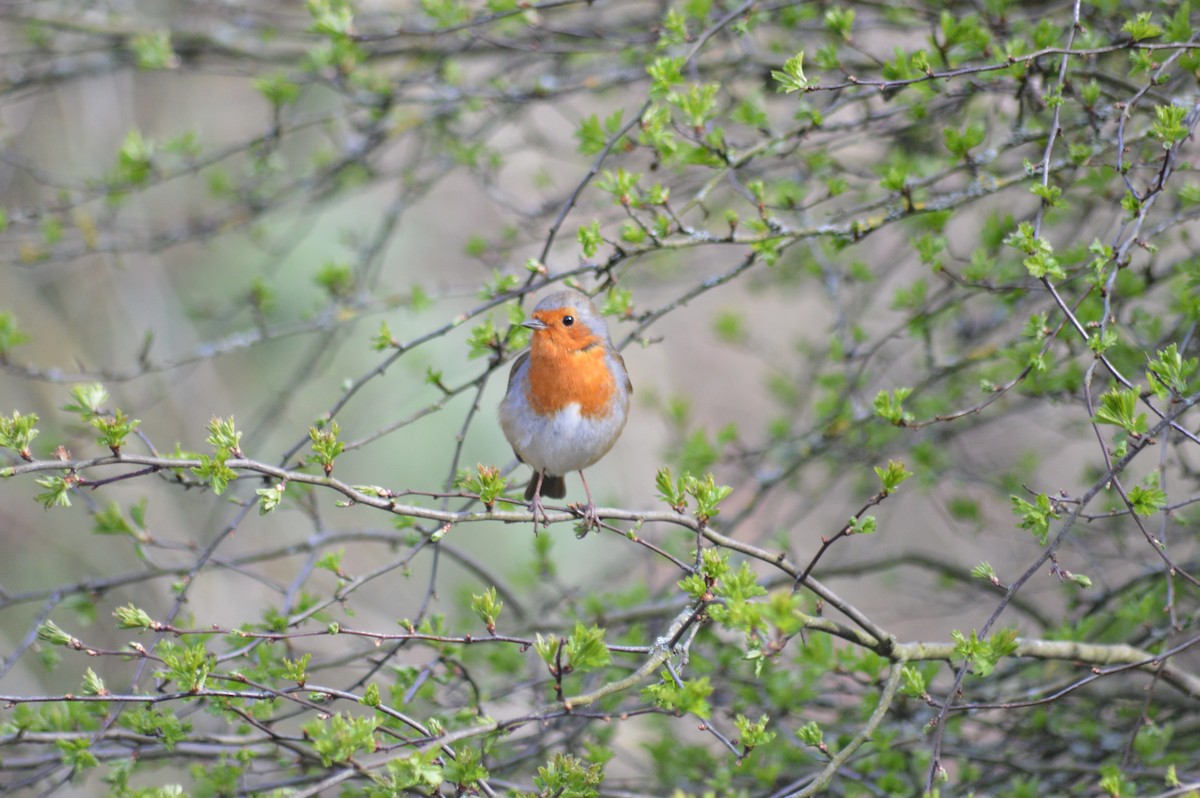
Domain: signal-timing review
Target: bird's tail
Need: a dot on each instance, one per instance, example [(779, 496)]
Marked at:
[(552, 487)]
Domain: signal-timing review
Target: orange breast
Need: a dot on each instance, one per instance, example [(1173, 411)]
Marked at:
[(558, 377)]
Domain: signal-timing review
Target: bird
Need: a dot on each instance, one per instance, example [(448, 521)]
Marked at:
[(567, 399)]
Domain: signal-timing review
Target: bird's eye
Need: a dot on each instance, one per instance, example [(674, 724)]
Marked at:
[(568, 321)]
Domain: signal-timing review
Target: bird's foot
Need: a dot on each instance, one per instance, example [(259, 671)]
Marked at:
[(587, 512), (535, 507)]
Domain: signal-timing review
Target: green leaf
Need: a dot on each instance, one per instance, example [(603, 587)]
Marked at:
[(77, 754), (11, 334), (569, 777), (152, 50), (50, 632), (131, 617), (337, 279), (487, 608), (296, 670), (57, 493), (270, 498), (1118, 407), (810, 734), (1169, 126), (277, 88), (891, 477), (17, 433), (1035, 517), (791, 78), (93, 684), (325, 445), (889, 405), (113, 431), (1140, 27), (89, 401), (1147, 499), (341, 737), (1169, 374), (839, 21), (984, 655), (753, 733), (708, 495), (586, 650), (961, 142), (590, 239), (487, 483), (671, 490), (164, 726), (690, 697), (135, 160), (913, 684), (188, 666)]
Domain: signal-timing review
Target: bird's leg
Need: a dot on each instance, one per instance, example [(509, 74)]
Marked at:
[(590, 517), (535, 506)]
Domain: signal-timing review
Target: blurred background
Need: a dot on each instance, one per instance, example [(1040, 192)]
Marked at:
[(218, 209)]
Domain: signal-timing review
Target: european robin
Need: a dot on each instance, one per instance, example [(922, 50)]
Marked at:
[(567, 398)]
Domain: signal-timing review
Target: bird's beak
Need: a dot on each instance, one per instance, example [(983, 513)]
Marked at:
[(535, 324)]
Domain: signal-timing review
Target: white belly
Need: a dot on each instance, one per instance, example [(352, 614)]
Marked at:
[(561, 443)]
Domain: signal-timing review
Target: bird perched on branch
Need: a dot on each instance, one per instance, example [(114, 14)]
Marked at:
[(567, 398)]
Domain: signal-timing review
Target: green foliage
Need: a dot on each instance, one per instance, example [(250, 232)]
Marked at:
[(1169, 375), (336, 279), (688, 697), (487, 483), (131, 617), (590, 239), (568, 776), (113, 431), (166, 727), (325, 445), (466, 769), (594, 135), (1169, 127), (88, 401), (1147, 499), (1036, 516), (50, 632), (891, 477), (753, 733), (135, 161), (484, 339), (585, 649), (1140, 27), (961, 142), (487, 608), (1041, 261), (984, 655), (671, 490), (889, 405), (187, 666), (270, 498), (57, 492), (791, 78), (882, 265), (708, 496), (617, 302), (17, 433), (340, 737), (1119, 407), (277, 88), (152, 50), (214, 471), (11, 334)]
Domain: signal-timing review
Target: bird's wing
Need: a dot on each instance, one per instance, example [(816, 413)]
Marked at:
[(512, 375), (621, 360)]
